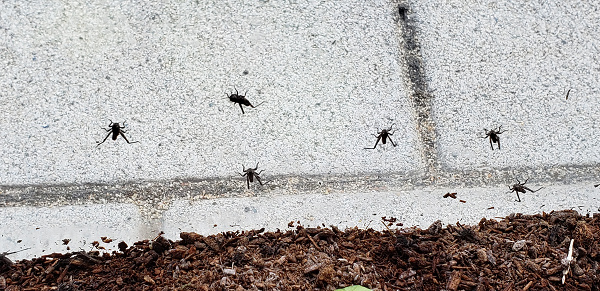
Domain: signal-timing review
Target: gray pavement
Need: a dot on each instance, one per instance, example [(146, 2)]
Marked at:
[(330, 76)]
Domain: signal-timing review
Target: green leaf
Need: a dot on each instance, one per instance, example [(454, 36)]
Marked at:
[(354, 288)]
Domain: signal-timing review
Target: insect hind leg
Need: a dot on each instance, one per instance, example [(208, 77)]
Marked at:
[(392, 141), (375, 144), (104, 139), (127, 139)]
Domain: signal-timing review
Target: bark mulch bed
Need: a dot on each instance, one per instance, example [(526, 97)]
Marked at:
[(519, 252)]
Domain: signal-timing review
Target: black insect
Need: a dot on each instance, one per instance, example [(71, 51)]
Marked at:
[(241, 100), (116, 130), (251, 174), (383, 135), (493, 135), (520, 187)]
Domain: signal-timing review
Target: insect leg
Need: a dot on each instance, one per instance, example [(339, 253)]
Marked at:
[(491, 143), (104, 139), (378, 138), (127, 139), (258, 179), (242, 108), (499, 131), (392, 141)]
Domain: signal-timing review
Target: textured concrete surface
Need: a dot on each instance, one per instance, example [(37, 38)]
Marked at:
[(330, 75), (511, 63), (42, 229), (413, 208)]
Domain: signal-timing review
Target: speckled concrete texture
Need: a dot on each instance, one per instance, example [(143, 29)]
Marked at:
[(328, 74), (511, 63)]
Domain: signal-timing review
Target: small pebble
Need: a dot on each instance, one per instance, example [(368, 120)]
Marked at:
[(518, 245)]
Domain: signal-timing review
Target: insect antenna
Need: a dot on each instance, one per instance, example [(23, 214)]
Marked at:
[(10, 253)]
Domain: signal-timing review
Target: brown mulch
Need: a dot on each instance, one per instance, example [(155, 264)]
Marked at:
[(519, 252)]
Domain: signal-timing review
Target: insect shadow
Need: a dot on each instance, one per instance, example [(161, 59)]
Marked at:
[(116, 130), (250, 174), (493, 136), (383, 135), (241, 100), (520, 187)]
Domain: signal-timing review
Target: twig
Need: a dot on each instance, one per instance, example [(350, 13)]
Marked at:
[(388, 229), (85, 255), (161, 233), (312, 240), (4, 259), (63, 273), (567, 261), (10, 253)]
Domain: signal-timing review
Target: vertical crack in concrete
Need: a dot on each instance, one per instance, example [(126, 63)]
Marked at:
[(420, 95)]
